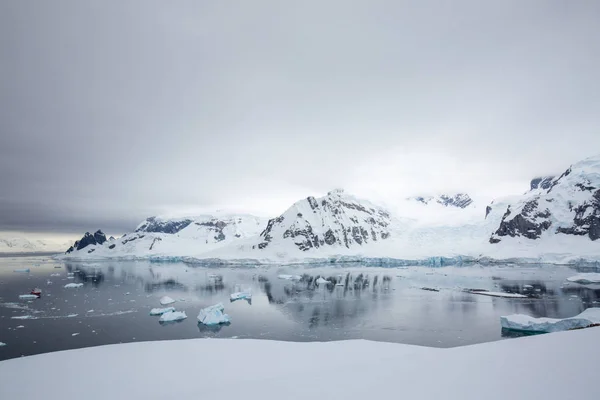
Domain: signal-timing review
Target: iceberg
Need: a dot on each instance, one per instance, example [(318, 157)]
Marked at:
[(240, 296), (173, 316), (166, 300), (73, 285), (591, 277), (321, 281), (213, 315), (526, 323), (28, 296), (161, 311)]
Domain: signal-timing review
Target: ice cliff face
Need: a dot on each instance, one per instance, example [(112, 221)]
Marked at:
[(569, 205), (459, 200), (337, 219)]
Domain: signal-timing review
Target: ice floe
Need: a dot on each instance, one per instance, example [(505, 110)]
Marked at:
[(526, 323), (161, 311), (498, 294), (2, 344), (23, 317), (166, 300), (28, 296), (591, 277), (73, 285), (213, 315), (173, 316)]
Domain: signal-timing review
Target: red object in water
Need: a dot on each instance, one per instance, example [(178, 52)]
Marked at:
[(37, 292)]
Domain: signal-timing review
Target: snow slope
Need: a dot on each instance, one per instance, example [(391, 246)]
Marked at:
[(553, 367)]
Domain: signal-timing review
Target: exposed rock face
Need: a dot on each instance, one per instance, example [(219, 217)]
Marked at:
[(155, 225), (334, 220), (568, 205), (541, 182), (460, 200), (88, 239)]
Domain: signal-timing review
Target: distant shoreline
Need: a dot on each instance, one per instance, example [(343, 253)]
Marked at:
[(30, 254)]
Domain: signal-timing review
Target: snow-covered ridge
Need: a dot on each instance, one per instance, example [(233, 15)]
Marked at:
[(459, 200), (336, 220), (569, 206)]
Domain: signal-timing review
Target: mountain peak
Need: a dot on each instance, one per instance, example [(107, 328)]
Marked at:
[(459, 200)]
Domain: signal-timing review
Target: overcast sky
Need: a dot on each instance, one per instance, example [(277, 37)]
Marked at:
[(114, 111)]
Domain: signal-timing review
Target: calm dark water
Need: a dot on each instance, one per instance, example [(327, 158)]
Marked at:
[(385, 304)]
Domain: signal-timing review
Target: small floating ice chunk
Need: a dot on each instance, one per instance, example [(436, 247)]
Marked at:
[(23, 317), (23, 270), (75, 334), (161, 311), (90, 310), (73, 285), (290, 277), (322, 281), (2, 344), (172, 316), (213, 315), (28, 296), (20, 327), (54, 274), (498, 294), (166, 300), (240, 296), (521, 322), (72, 315), (590, 277), (527, 287)]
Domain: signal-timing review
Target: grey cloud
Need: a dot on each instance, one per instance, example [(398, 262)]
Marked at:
[(112, 111)]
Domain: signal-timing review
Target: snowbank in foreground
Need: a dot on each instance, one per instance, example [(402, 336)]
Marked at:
[(525, 323), (562, 368)]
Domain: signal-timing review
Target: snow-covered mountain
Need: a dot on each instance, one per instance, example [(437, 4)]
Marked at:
[(170, 237), (14, 244), (541, 182), (570, 205), (335, 220), (460, 200), (556, 221)]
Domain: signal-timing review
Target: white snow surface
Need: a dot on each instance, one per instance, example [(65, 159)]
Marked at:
[(161, 311), (413, 232), (585, 278), (173, 316), (166, 300), (521, 322), (565, 366), (213, 315)]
